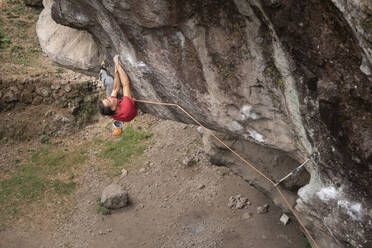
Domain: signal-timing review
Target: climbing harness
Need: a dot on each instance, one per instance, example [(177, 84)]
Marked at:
[(242, 159), (295, 171)]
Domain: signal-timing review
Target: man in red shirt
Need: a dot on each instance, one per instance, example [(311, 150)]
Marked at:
[(119, 109)]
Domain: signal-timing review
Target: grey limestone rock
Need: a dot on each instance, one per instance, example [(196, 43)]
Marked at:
[(67, 46), (114, 197)]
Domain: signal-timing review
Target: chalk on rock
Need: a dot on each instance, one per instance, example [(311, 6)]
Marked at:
[(114, 197), (284, 219)]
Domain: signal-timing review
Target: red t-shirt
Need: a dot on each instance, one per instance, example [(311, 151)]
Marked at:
[(126, 110)]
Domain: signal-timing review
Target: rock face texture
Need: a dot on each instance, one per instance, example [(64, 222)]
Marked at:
[(114, 197), (277, 79), (74, 49)]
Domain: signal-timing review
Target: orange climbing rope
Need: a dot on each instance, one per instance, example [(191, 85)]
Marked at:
[(241, 158)]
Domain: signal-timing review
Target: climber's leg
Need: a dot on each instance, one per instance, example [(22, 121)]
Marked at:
[(123, 78)]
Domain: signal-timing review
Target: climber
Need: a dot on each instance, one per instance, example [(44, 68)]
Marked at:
[(118, 109)]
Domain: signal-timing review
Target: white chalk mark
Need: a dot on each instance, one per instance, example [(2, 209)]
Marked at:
[(256, 135), (247, 113), (328, 193)]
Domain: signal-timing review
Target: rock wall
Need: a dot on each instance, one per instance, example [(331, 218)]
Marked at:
[(74, 49), (283, 78), (56, 107)]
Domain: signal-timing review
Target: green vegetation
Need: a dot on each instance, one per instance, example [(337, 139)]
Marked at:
[(131, 144), (58, 160), (100, 208), (307, 243), (269, 69), (17, 8), (16, 50), (281, 84), (44, 139), (4, 140), (34, 180), (63, 188), (4, 40), (17, 161), (59, 70), (85, 112), (21, 24), (35, 50), (17, 32)]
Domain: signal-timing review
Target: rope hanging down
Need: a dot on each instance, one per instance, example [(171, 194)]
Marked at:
[(242, 159)]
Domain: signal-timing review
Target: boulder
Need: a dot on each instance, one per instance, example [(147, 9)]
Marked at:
[(69, 47), (114, 197)]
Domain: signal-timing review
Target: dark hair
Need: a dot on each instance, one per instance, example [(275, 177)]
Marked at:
[(105, 110)]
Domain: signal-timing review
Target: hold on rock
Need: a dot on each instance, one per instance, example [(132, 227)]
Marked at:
[(114, 197)]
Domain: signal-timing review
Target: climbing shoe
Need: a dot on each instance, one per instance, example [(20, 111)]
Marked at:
[(103, 65)]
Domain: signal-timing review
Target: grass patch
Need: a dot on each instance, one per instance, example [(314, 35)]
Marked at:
[(35, 50), (100, 208), (4, 40), (25, 185), (59, 70), (307, 243), (63, 188), (57, 161), (4, 140), (22, 25), (131, 144), (44, 139), (17, 7), (18, 43), (34, 180), (16, 50)]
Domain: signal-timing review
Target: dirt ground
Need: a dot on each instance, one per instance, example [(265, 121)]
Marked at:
[(171, 204)]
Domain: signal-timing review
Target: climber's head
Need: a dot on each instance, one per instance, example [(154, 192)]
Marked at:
[(107, 106)]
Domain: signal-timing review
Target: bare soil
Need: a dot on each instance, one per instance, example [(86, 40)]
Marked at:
[(171, 204)]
